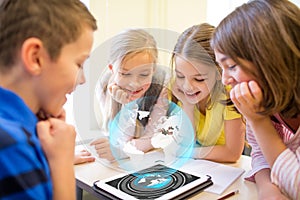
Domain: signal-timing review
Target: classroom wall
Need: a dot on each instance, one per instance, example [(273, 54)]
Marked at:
[(176, 15), (116, 15)]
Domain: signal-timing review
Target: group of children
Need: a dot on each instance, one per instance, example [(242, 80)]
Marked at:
[(196, 87), (223, 78)]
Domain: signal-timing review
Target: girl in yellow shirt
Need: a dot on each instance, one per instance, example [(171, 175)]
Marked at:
[(197, 88)]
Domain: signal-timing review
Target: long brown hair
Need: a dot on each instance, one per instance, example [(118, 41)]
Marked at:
[(266, 33)]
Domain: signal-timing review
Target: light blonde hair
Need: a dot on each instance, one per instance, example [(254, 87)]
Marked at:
[(194, 45), (124, 46), (129, 43)]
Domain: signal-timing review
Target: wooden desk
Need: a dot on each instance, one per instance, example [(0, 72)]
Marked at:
[(86, 174)]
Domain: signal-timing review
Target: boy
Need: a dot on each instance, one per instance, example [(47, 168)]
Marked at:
[(43, 45)]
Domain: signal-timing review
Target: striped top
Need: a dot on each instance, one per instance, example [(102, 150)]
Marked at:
[(24, 171), (286, 168)]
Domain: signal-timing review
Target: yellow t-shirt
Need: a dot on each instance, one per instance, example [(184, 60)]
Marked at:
[(210, 127)]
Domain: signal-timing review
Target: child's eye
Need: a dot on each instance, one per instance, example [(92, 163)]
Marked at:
[(145, 74), (232, 66), (179, 76), (124, 74), (200, 80)]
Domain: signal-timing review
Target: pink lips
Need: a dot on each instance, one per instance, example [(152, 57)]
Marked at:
[(192, 95), (135, 92)]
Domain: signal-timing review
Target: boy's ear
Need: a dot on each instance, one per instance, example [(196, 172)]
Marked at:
[(31, 52)]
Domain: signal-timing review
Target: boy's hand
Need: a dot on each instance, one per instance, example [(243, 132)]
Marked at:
[(57, 140)]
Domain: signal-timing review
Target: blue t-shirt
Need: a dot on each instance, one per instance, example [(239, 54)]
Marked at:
[(24, 170)]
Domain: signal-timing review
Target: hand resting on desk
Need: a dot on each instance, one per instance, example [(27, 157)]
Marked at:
[(83, 156), (102, 147)]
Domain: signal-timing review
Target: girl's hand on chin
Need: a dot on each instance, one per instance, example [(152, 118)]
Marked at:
[(247, 97), (118, 94)]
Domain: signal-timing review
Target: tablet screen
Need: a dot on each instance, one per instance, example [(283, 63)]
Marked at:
[(156, 182)]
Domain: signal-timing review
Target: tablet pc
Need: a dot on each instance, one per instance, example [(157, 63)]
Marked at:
[(155, 182)]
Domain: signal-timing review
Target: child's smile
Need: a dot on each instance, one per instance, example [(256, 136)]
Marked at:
[(192, 95), (135, 75), (136, 93), (194, 80)]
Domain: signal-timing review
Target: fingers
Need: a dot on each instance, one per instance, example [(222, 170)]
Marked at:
[(60, 126), (84, 160), (244, 93), (105, 154), (102, 148), (43, 130), (247, 98), (255, 90), (99, 141), (57, 139), (83, 156), (84, 153), (240, 94), (100, 145), (118, 94)]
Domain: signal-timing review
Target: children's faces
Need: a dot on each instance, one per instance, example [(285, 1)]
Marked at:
[(61, 76), (245, 93), (194, 79), (134, 76), (233, 74)]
